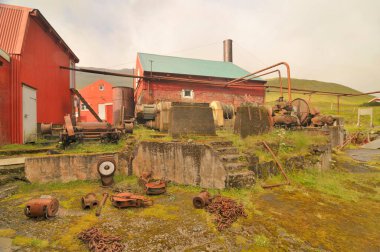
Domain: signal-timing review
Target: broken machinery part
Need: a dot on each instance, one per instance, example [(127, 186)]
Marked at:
[(106, 170), (46, 206), (202, 200), (155, 188), (89, 201), (126, 199)]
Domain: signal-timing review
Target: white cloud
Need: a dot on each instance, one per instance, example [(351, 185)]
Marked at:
[(325, 40)]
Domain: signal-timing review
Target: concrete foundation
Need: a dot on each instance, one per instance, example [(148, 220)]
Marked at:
[(69, 167), (189, 164)]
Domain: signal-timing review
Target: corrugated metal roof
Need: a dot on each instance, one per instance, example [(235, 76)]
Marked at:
[(13, 22), (13, 25), (188, 66)]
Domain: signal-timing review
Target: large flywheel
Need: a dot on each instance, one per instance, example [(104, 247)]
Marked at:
[(302, 110)]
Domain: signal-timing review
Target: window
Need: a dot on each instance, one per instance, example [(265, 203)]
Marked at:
[(101, 87), (83, 107), (187, 94)]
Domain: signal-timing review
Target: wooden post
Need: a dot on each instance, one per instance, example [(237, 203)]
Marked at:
[(338, 97)]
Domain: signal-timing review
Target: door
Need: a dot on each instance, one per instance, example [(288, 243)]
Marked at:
[(102, 111), (29, 108), (109, 114)]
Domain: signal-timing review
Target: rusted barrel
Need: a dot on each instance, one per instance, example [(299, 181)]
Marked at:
[(123, 104), (46, 206), (202, 200), (46, 129)]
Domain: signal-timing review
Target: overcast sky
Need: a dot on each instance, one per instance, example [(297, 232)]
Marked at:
[(329, 40)]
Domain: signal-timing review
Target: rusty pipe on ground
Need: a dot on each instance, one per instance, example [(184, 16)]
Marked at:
[(267, 68), (279, 166), (99, 210)]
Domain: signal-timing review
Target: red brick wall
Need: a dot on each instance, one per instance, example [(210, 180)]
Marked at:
[(171, 91)]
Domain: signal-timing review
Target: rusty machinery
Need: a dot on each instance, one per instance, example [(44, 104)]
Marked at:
[(46, 206), (152, 186), (106, 170), (126, 199), (102, 131)]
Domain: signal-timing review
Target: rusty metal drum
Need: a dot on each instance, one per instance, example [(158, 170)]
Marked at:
[(46, 206), (203, 199)]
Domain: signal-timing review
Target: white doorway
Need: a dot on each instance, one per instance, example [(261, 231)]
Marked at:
[(102, 110), (29, 114)]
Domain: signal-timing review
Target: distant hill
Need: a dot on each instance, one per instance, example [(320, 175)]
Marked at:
[(319, 86), (84, 79)]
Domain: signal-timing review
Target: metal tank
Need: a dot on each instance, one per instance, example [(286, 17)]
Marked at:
[(123, 104)]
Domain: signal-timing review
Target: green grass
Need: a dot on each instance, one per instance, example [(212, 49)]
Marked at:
[(40, 143), (95, 147), (285, 143), (30, 242), (344, 185)]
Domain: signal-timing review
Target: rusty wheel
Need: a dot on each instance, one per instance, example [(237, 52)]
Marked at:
[(302, 110)]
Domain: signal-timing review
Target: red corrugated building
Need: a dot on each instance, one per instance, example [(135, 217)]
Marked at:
[(99, 96), (150, 91), (37, 90)]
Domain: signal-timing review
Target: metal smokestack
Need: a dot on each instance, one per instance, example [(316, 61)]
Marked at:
[(227, 50)]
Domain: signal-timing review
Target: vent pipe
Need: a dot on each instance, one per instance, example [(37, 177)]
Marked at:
[(227, 50)]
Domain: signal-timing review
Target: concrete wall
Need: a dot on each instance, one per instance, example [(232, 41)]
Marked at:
[(191, 118), (251, 120), (190, 164), (69, 167)]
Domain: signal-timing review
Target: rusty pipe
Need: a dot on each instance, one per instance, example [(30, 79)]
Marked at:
[(277, 162), (267, 68), (99, 210), (256, 76)]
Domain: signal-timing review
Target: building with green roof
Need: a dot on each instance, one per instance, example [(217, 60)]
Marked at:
[(193, 80)]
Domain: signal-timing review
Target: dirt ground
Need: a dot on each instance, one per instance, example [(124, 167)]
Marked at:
[(298, 217)]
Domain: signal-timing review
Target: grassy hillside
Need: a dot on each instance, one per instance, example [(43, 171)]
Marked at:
[(327, 104), (84, 79)]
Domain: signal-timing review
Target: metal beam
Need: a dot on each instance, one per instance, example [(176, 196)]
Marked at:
[(74, 91)]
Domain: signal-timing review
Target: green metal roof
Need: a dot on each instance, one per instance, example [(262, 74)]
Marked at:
[(187, 66)]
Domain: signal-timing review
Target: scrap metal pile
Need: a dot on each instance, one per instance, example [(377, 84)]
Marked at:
[(298, 112), (226, 210), (99, 242)]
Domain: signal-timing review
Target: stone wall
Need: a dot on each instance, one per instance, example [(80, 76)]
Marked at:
[(66, 168), (319, 157), (189, 164)]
